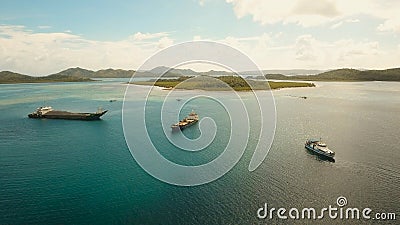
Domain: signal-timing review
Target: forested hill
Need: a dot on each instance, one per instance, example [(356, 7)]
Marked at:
[(7, 77), (345, 75), (79, 75)]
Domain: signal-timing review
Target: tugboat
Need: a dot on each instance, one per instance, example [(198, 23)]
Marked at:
[(186, 122), (47, 112), (319, 147)]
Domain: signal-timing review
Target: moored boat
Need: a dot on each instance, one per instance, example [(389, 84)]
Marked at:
[(47, 112), (319, 147), (188, 121)]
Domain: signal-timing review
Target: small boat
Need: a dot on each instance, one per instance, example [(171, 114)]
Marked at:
[(186, 122), (319, 147), (47, 112)]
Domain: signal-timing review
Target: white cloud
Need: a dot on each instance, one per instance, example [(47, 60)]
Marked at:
[(311, 7), (304, 12), (314, 53), (391, 25), (254, 46), (352, 21), (337, 25), (312, 12), (305, 48), (165, 42), (340, 23), (36, 53), (148, 36), (309, 52)]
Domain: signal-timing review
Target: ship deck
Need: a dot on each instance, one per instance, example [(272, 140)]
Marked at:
[(64, 113)]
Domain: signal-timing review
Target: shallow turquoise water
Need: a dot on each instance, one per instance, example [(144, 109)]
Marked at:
[(63, 172)]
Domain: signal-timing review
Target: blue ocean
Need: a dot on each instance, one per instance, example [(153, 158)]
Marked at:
[(82, 172)]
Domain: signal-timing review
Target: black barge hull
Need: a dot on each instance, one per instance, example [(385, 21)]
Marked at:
[(64, 115)]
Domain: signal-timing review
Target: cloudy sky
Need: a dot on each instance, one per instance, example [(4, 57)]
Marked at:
[(43, 37)]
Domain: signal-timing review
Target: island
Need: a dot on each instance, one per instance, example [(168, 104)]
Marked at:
[(227, 83), (344, 75), (83, 75), (7, 77), (78, 74)]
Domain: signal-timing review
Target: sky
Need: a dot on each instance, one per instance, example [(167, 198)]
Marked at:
[(43, 37)]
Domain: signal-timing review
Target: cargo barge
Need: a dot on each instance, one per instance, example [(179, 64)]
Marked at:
[(47, 112)]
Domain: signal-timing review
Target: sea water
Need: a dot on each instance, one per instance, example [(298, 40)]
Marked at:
[(82, 172)]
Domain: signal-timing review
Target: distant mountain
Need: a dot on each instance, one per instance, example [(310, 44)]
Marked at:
[(10, 77), (7, 77), (75, 72), (157, 71), (188, 72), (115, 73), (345, 75), (279, 77), (176, 72), (358, 75), (78, 75), (217, 73), (294, 72), (107, 73)]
